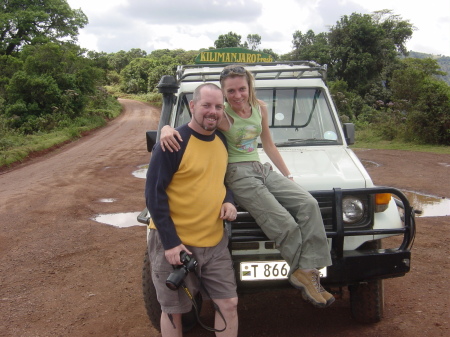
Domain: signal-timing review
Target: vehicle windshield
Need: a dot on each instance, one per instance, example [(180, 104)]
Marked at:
[(298, 116)]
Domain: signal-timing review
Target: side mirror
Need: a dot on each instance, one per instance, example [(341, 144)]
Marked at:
[(151, 139), (349, 132)]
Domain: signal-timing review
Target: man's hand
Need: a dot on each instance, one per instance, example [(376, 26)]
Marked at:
[(228, 211), (173, 255), (169, 139)]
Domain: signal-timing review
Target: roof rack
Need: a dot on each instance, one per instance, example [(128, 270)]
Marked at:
[(267, 70)]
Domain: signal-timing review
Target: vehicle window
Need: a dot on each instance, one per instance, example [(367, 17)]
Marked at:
[(301, 114), (184, 113)]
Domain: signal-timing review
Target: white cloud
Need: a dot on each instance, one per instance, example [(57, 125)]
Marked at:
[(192, 12), (156, 24)]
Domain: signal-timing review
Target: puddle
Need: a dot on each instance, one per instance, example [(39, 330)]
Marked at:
[(429, 205), (141, 172), (107, 200), (121, 220)]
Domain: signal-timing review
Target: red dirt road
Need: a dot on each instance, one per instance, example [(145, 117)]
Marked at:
[(64, 274)]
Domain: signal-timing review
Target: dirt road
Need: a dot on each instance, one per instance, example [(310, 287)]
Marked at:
[(64, 274)]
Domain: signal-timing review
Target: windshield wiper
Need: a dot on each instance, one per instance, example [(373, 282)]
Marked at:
[(306, 141)]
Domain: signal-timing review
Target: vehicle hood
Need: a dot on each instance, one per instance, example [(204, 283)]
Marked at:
[(323, 168)]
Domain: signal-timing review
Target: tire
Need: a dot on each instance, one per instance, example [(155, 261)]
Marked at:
[(367, 301), (189, 320), (367, 298)]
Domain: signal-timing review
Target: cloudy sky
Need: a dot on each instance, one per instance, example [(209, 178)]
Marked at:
[(193, 24)]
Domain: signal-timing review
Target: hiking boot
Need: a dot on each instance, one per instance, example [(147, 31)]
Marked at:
[(309, 283), (327, 296)]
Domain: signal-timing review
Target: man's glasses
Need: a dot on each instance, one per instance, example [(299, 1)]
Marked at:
[(232, 70)]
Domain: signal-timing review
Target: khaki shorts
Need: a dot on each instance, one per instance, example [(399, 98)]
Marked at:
[(215, 268)]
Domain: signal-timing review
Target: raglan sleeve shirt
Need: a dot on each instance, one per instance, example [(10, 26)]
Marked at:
[(162, 168)]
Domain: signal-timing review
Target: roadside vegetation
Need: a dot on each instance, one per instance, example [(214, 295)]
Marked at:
[(52, 91)]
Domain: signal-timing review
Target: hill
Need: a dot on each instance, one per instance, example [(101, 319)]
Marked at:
[(443, 61)]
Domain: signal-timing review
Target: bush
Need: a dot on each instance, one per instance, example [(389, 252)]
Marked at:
[(429, 122)]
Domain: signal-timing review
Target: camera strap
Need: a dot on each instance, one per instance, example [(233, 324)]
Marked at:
[(216, 307)]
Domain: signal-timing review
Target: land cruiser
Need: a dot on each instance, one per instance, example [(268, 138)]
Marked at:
[(358, 216)]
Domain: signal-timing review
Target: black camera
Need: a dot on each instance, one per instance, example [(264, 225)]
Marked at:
[(176, 278)]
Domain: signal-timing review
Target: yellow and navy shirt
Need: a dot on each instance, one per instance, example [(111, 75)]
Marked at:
[(185, 190)]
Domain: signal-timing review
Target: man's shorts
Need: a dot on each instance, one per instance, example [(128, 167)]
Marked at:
[(215, 269)]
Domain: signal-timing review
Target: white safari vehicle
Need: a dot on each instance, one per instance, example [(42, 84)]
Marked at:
[(305, 127)]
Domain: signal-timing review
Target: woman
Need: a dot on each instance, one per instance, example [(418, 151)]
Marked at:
[(287, 213)]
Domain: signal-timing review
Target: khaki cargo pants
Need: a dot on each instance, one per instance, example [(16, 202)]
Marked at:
[(287, 213)]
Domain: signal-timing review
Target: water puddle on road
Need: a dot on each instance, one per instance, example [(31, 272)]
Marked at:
[(107, 200), (428, 205), (121, 220), (141, 172)]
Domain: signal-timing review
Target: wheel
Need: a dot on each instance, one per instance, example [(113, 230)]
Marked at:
[(189, 320), (367, 298), (367, 301), (151, 303)]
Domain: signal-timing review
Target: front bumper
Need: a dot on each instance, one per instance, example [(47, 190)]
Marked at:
[(352, 268), (348, 267)]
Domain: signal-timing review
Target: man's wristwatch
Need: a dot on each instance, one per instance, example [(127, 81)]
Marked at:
[(289, 176)]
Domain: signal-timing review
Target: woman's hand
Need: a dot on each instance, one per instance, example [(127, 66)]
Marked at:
[(169, 139)]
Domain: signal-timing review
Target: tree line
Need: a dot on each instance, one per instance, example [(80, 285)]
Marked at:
[(47, 80)]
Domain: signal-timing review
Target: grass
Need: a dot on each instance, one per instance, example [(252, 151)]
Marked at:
[(152, 98), (367, 139), (396, 145), (16, 147), (20, 147)]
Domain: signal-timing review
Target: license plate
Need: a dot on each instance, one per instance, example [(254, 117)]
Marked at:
[(265, 270)]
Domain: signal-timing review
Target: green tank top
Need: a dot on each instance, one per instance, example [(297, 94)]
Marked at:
[(242, 137)]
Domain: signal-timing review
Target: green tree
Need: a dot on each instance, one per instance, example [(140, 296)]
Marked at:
[(311, 47), (135, 75), (100, 59), (274, 55), (427, 100), (142, 75), (118, 61), (396, 31), (8, 66), (167, 62), (179, 56), (135, 53), (407, 81), (54, 83), (228, 40), (301, 41), (25, 22), (253, 41), (429, 122), (361, 46)]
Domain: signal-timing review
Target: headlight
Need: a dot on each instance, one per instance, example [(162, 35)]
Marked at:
[(352, 209)]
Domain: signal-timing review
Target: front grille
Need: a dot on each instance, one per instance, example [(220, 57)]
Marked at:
[(326, 209), (245, 229)]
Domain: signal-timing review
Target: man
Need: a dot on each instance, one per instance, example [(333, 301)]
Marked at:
[(188, 201)]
